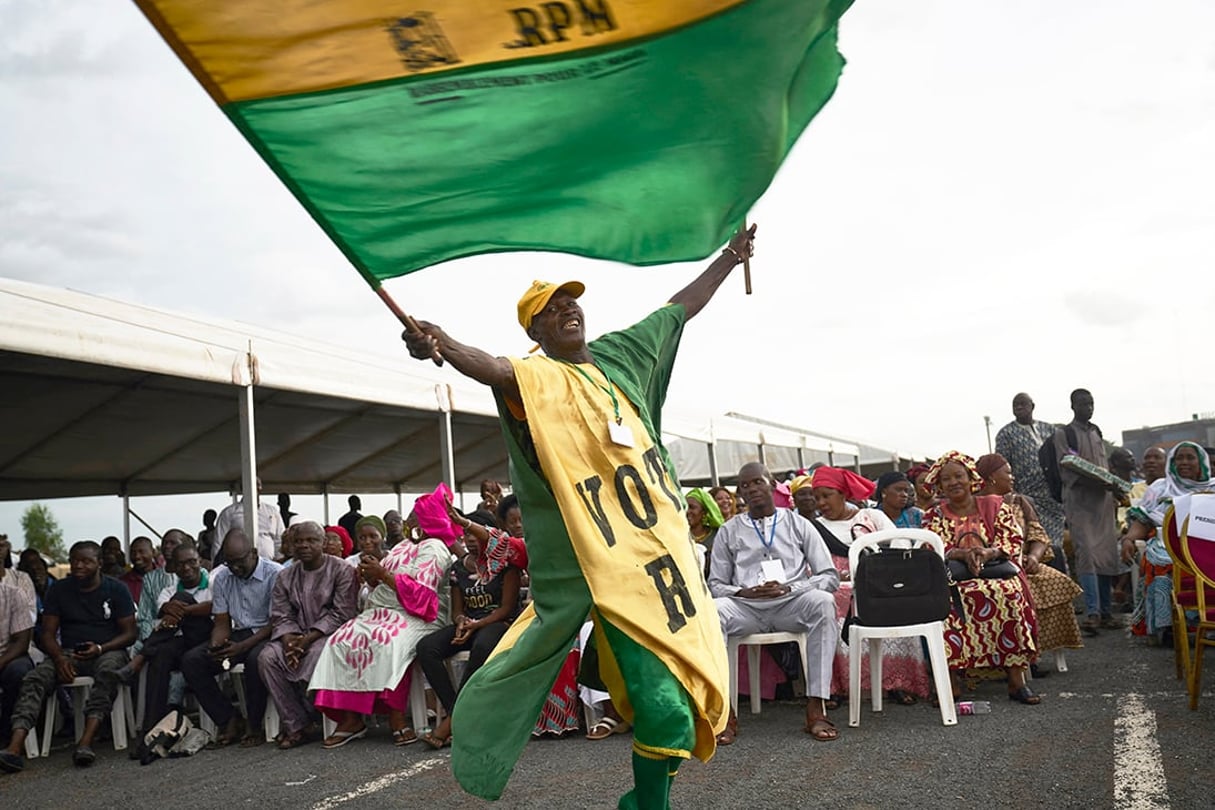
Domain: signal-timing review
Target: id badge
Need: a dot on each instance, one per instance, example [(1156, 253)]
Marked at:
[(620, 434)]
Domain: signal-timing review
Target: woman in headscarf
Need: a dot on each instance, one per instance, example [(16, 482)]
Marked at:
[(1187, 471), (1000, 628), (484, 601), (365, 666), (895, 496), (369, 534), (704, 519), (925, 498), (836, 492), (1052, 590), (338, 542)]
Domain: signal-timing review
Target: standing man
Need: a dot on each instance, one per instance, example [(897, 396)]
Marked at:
[(87, 623), (311, 599), (240, 605), (394, 528), (1019, 442), (350, 520), (751, 599), (605, 535), (1090, 505), (269, 524)]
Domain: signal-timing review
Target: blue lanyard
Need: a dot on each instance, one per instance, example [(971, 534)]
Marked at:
[(771, 532)]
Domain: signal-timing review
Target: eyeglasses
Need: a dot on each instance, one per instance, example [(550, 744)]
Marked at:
[(250, 553)]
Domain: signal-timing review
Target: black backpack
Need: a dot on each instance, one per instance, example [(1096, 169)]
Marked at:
[(1048, 460)]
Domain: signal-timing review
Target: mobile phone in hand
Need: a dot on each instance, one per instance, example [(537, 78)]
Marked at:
[(83, 647)]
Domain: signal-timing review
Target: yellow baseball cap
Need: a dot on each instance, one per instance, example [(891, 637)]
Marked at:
[(536, 298)]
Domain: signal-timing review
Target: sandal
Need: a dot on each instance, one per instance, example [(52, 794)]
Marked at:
[(728, 736), (606, 728), (83, 757), (252, 740), (900, 697), (434, 742), (339, 738), (822, 729), (1025, 695), (835, 701), (404, 736)]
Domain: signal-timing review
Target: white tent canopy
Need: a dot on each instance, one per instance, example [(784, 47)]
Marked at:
[(105, 397)]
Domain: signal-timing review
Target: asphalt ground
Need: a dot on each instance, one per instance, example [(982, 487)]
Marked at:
[(1113, 731)]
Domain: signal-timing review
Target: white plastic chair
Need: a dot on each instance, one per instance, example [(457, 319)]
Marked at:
[(932, 632), (754, 642), (122, 715)]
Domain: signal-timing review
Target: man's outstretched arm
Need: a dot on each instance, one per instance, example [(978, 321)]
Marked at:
[(697, 294), (470, 361)]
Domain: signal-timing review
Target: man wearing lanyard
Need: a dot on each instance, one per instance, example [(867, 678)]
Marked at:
[(771, 572), (605, 534)]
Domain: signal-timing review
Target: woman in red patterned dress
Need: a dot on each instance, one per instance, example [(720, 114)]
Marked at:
[(1000, 626)]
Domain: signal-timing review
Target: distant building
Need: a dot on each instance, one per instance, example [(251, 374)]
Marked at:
[(1195, 430)]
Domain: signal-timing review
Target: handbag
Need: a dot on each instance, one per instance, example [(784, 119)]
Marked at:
[(992, 569), (893, 587)]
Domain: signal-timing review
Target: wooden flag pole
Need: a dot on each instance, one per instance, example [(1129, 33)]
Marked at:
[(746, 263), (406, 320)]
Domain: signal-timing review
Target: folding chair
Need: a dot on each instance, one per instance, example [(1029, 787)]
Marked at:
[(1184, 595)]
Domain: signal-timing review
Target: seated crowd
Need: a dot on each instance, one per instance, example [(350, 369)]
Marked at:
[(326, 622)]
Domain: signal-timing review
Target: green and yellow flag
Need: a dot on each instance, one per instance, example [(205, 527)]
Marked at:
[(633, 130)]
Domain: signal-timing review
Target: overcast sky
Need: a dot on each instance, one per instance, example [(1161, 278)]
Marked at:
[(1002, 196)]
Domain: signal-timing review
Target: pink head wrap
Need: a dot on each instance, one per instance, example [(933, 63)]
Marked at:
[(854, 487), (431, 512), (781, 496)]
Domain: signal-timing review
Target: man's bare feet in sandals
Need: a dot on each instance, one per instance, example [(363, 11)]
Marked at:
[(817, 724), (728, 736)]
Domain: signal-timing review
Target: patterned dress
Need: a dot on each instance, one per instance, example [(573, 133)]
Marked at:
[(1001, 628), (1019, 444), (366, 661)]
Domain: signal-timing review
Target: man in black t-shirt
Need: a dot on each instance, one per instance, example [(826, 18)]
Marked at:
[(88, 621)]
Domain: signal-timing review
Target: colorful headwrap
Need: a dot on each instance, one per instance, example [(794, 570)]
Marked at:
[(887, 479), (431, 513), (781, 496), (344, 536), (916, 471), (976, 480), (371, 520), (713, 517), (1163, 491), (855, 487), (990, 464), (799, 482)]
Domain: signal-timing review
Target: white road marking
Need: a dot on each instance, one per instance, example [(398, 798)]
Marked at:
[(311, 776), (1139, 782), (382, 783), (1144, 695)]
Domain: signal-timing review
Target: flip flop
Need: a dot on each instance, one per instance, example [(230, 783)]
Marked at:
[(83, 757), (902, 698), (606, 728), (1025, 695), (404, 736), (252, 740), (822, 729), (435, 743), (11, 763), (340, 738)]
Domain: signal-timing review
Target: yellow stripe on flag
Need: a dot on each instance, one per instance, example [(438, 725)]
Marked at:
[(249, 49)]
